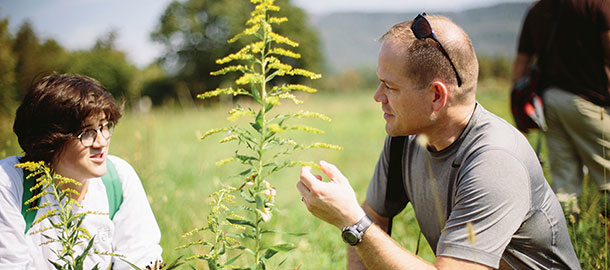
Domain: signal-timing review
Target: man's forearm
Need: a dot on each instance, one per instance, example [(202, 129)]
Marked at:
[(388, 253), (353, 260)]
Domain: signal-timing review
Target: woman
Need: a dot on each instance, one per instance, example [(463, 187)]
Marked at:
[(67, 122)]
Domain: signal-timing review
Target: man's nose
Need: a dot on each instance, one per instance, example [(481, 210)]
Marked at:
[(379, 95)]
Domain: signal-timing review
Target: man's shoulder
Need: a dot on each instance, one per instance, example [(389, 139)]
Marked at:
[(493, 132)]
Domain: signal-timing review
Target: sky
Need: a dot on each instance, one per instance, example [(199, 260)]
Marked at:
[(76, 24)]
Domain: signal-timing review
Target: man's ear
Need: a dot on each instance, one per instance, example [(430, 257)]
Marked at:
[(441, 94)]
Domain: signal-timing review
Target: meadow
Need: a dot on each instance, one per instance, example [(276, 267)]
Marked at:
[(178, 170)]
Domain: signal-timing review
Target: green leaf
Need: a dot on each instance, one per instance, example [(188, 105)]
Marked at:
[(258, 123), (80, 260), (282, 247), (56, 265), (269, 107), (241, 235), (269, 253), (260, 203), (212, 265), (288, 233), (230, 261), (241, 222), (246, 197), (246, 172)]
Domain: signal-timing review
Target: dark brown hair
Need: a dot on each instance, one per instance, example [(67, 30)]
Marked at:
[(55, 109)]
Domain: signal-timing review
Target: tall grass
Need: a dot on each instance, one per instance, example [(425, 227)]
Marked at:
[(178, 173)]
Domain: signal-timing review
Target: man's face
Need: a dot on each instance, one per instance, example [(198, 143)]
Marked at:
[(406, 108), (80, 162)]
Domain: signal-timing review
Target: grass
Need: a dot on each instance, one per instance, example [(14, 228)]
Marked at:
[(178, 172)]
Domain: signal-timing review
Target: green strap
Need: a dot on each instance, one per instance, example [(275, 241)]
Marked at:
[(114, 189), (27, 194), (111, 181)]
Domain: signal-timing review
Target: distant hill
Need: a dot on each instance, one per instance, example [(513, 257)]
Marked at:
[(350, 39)]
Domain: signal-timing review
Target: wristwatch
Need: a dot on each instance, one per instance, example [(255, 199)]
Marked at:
[(353, 234)]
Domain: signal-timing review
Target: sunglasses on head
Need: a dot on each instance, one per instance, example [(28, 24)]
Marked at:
[(422, 29)]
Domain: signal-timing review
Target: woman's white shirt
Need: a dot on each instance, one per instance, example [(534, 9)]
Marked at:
[(133, 232)]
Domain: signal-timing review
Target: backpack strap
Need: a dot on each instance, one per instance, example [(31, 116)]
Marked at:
[(114, 189), (28, 216), (111, 180), (395, 196)]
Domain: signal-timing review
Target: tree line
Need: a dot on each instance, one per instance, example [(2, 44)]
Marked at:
[(193, 34)]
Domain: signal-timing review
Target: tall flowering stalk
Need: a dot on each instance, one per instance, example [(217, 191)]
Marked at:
[(60, 213), (239, 226)]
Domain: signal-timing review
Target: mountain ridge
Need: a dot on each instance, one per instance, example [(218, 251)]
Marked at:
[(350, 39)]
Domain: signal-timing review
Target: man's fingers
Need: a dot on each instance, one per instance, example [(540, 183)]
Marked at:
[(307, 178), (303, 189), (331, 171)]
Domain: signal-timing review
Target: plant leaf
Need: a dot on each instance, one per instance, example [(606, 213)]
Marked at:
[(241, 222)]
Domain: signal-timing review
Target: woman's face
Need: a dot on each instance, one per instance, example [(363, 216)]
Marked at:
[(80, 162)]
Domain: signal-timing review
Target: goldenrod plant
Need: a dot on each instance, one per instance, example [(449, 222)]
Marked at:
[(60, 213), (239, 214)]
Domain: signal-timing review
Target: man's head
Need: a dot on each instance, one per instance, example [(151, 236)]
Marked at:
[(424, 59), (56, 110), (418, 80)]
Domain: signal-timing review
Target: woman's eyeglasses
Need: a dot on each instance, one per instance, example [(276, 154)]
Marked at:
[(88, 136), (422, 29)]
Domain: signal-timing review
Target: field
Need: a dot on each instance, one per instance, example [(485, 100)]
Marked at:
[(178, 171)]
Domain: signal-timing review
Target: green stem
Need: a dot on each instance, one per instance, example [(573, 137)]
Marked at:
[(66, 243), (261, 146)]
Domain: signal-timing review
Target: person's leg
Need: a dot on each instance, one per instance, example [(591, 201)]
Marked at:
[(591, 135), (566, 165)]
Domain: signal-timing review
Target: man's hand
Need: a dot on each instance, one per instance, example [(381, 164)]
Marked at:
[(333, 202)]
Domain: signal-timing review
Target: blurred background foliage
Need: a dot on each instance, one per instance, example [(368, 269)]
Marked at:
[(193, 34)]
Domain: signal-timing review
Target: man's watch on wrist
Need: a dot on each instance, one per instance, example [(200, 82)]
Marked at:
[(353, 234)]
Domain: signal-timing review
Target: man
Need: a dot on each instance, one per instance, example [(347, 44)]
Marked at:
[(576, 71), (475, 184)]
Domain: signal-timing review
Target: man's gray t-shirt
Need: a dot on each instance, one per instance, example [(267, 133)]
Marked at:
[(482, 199)]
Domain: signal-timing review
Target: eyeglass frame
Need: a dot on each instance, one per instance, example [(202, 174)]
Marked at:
[(109, 125), (417, 33)]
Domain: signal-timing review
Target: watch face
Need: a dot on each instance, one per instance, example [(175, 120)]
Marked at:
[(349, 237)]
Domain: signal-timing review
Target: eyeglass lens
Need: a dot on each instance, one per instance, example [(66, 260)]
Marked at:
[(422, 29), (87, 138)]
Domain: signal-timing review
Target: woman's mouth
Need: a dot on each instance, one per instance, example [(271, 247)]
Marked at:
[(98, 158)]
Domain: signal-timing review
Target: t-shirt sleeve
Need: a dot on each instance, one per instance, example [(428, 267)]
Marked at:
[(137, 234), (13, 246), (491, 201), (376, 192)]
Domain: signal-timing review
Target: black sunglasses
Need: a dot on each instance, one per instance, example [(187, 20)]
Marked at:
[(422, 29)]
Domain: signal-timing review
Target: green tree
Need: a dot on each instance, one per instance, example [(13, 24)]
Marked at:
[(107, 65), (8, 62), (25, 49), (194, 34), (34, 59)]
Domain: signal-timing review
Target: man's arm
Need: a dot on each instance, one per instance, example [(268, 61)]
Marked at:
[(521, 66), (353, 260), (335, 203)]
